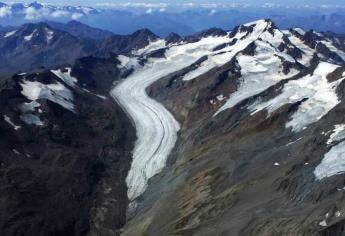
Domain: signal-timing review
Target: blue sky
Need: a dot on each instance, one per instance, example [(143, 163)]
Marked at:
[(252, 2)]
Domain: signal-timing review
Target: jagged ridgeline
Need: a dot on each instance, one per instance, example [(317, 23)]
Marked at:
[(235, 132)]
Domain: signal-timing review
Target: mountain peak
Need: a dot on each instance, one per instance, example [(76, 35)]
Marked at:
[(145, 33), (173, 38)]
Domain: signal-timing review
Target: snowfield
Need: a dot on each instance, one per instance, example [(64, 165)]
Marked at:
[(320, 97), (57, 93), (333, 163)]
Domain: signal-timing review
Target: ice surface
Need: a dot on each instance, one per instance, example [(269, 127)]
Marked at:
[(156, 127)]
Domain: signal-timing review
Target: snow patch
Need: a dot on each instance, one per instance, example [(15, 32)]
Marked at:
[(127, 62), (152, 46), (66, 77), (333, 162), (320, 94), (9, 34), (57, 93), (300, 31), (29, 37), (338, 134), (49, 35), (8, 120), (323, 223)]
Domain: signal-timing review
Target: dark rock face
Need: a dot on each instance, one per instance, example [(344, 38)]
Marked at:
[(48, 45), (173, 38), (81, 30), (124, 44), (96, 74), (206, 33), (38, 45), (66, 177)]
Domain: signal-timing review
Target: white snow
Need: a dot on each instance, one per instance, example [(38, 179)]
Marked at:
[(320, 94), (29, 37), (31, 119), (338, 134), (219, 58), (221, 97), (323, 223), (156, 127), (308, 52), (333, 162), (8, 120), (9, 34), (49, 35), (66, 76), (337, 214), (259, 72), (276, 39), (300, 31), (127, 62), (57, 93), (152, 46), (334, 49)]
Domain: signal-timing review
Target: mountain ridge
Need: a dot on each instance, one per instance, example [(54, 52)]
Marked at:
[(239, 132)]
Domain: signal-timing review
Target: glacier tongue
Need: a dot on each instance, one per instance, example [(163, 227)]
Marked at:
[(156, 127)]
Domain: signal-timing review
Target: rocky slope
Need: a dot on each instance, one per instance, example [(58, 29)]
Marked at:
[(260, 151), (66, 150)]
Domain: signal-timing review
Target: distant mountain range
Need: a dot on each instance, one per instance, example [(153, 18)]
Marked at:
[(183, 19), (50, 44)]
